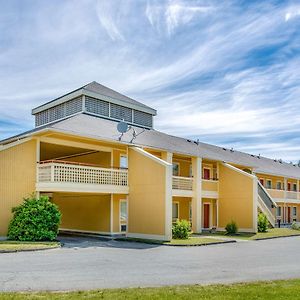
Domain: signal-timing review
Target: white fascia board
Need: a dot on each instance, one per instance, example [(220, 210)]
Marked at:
[(148, 110), (278, 175), (58, 101), (151, 156)]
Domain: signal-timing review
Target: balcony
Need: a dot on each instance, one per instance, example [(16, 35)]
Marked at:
[(182, 186), (276, 194), (65, 176), (210, 188)]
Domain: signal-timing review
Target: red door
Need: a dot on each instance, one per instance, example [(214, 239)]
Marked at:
[(262, 182), (206, 215), (206, 174), (289, 186), (289, 215)]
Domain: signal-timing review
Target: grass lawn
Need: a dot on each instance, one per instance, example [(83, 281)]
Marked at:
[(279, 290), (192, 241), (21, 246), (273, 232)]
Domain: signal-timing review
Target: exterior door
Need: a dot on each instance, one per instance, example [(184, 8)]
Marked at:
[(262, 182), (289, 186), (206, 174), (289, 215), (206, 215)]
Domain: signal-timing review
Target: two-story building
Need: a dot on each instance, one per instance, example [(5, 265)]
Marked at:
[(95, 153)]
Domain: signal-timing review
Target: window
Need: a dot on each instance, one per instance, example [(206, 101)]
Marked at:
[(206, 173), (175, 169), (278, 185), (191, 171), (123, 215), (123, 162), (190, 210), (278, 212), (295, 187), (269, 184), (294, 211), (175, 211)]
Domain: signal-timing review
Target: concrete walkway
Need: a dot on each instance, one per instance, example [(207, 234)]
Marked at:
[(86, 263)]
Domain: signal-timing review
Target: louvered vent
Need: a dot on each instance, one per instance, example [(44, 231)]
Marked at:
[(58, 112), (142, 118), (97, 106), (73, 106), (120, 112)]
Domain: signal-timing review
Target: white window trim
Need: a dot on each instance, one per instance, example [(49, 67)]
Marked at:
[(294, 215), (178, 164), (281, 185), (270, 180), (178, 211), (123, 155), (210, 172), (120, 225)]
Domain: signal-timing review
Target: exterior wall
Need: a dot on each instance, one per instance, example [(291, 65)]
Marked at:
[(84, 212), (17, 178), (184, 207), (236, 199), (184, 166), (284, 212), (116, 211), (208, 185), (148, 186), (116, 157), (100, 158)]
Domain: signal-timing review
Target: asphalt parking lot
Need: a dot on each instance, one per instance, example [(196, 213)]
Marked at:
[(88, 263)]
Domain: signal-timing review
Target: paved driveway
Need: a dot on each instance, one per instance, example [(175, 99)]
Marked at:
[(90, 264)]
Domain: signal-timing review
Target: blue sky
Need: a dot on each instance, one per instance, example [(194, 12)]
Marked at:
[(226, 72)]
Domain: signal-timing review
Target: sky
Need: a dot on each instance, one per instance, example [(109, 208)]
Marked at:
[(224, 72)]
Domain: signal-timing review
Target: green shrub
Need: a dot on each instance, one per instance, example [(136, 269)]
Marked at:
[(36, 219), (295, 226), (262, 223), (181, 230), (231, 228)]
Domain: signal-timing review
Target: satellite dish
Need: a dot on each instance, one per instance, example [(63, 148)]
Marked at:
[(122, 127)]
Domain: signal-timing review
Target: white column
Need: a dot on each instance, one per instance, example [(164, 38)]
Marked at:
[(111, 213), (298, 189), (168, 157), (285, 188), (197, 197)]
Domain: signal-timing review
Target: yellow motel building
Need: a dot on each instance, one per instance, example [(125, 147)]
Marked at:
[(94, 153)]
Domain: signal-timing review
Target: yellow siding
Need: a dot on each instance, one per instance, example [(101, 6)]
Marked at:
[(17, 178), (184, 166), (184, 207), (209, 185), (147, 193), (84, 212), (235, 198), (116, 157)]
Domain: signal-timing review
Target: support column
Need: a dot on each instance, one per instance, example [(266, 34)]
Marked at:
[(168, 157), (197, 197)]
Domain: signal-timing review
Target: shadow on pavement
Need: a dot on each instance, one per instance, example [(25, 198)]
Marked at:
[(79, 242)]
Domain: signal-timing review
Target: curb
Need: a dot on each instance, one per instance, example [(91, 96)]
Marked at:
[(199, 245), (275, 237), (30, 250)]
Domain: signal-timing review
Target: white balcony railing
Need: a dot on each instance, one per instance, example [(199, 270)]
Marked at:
[(69, 172), (292, 195), (182, 183)]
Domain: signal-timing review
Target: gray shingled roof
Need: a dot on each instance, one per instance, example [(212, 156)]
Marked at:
[(98, 128), (102, 90)]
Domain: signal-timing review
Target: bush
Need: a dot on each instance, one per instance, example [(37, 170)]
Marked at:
[(262, 223), (36, 219), (231, 228), (295, 226), (181, 230)]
